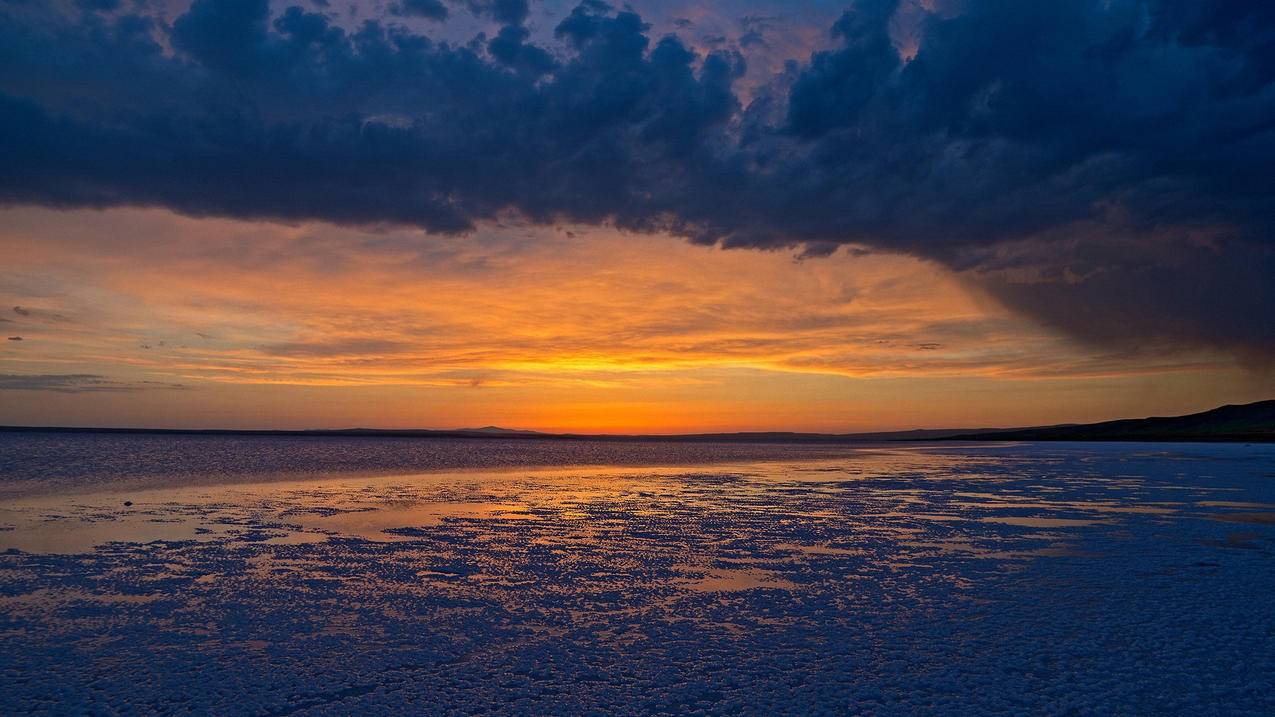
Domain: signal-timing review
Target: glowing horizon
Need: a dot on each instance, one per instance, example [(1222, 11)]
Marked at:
[(211, 323)]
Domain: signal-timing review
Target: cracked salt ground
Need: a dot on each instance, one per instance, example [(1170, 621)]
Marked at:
[(1023, 579)]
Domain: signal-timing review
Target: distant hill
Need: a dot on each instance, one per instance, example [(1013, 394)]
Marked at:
[(1250, 422), (497, 431), (916, 434)]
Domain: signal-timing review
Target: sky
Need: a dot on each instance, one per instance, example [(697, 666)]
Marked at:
[(670, 216)]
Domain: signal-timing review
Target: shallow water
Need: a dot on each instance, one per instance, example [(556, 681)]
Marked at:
[(78, 462), (906, 579)]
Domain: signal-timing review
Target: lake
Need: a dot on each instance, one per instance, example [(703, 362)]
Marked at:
[(250, 575)]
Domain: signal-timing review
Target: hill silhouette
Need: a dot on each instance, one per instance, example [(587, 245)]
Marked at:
[(1249, 422)]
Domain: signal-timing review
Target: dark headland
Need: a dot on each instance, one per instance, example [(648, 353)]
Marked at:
[(1248, 423)]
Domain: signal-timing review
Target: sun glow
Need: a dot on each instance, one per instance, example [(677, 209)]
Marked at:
[(563, 329)]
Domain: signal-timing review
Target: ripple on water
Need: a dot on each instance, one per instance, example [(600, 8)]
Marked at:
[(885, 582)]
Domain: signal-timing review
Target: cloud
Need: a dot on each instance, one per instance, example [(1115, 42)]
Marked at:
[(505, 12), (428, 9), (755, 28), (603, 320), (346, 347), (75, 383), (39, 315), (512, 306), (1100, 165)]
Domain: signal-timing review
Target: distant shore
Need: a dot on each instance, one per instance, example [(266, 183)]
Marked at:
[(1247, 423), (506, 434)]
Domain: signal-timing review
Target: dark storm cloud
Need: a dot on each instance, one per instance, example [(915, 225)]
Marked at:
[(1102, 165)]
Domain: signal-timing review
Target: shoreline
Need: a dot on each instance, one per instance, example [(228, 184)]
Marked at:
[(974, 436)]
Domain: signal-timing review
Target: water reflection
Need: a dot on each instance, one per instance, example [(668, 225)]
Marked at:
[(480, 589), (882, 500)]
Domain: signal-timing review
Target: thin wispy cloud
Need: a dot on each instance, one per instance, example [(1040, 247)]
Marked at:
[(76, 383)]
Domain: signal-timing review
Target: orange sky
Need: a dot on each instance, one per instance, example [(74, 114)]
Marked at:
[(218, 323)]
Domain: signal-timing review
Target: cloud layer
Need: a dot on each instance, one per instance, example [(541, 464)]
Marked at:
[(75, 383), (558, 329), (1101, 165)]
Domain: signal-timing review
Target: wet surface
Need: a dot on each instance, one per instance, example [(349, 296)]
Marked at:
[(1114, 579)]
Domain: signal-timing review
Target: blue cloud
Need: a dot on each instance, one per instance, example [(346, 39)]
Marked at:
[(428, 9)]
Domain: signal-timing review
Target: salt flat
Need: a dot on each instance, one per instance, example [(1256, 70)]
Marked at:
[(905, 579)]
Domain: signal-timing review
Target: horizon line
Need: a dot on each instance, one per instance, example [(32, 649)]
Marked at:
[(1146, 428)]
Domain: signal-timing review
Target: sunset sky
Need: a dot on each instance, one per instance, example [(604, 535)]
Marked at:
[(673, 216)]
